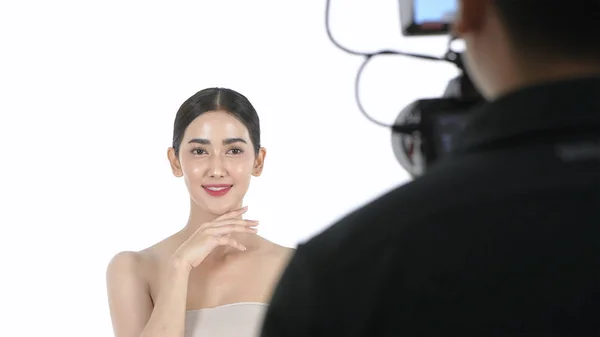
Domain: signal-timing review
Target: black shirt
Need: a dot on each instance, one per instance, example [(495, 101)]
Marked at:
[(502, 238)]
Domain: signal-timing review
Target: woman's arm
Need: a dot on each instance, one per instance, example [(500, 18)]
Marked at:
[(128, 295), (132, 311)]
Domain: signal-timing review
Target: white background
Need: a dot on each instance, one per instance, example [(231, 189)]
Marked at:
[(88, 94)]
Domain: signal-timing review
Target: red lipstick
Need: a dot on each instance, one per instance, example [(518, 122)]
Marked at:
[(217, 190)]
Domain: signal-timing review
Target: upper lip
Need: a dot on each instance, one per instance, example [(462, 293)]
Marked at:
[(217, 185)]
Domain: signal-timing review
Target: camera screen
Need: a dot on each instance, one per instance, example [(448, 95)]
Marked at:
[(437, 11)]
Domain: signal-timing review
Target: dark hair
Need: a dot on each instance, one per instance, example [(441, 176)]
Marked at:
[(566, 29), (213, 99)]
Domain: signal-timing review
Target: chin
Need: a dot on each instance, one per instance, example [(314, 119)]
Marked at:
[(218, 205), (220, 208)]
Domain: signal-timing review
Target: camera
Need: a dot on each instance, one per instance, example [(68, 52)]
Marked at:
[(424, 131)]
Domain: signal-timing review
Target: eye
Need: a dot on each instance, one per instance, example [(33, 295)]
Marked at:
[(198, 151), (236, 151)]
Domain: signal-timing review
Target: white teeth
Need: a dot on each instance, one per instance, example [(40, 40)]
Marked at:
[(216, 188)]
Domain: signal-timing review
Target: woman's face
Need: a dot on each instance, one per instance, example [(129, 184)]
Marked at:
[(217, 160)]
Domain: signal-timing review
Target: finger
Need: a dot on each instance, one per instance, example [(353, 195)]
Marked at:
[(228, 229), (228, 241), (233, 214), (240, 222)]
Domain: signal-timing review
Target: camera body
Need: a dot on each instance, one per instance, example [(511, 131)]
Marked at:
[(435, 121)]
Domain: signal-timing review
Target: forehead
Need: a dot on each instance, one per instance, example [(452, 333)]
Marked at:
[(216, 124)]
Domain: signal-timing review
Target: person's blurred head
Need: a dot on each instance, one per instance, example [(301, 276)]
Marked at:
[(216, 148), (516, 43)]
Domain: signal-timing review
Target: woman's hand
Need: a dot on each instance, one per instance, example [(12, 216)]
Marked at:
[(213, 234)]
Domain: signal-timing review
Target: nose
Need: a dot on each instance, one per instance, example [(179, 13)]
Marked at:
[(216, 169)]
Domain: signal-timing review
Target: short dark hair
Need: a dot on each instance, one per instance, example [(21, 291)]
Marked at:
[(213, 99), (566, 29)]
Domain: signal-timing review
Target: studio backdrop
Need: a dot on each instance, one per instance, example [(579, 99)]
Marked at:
[(88, 95)]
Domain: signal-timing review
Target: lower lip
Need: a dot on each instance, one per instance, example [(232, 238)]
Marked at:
[(217, 193)]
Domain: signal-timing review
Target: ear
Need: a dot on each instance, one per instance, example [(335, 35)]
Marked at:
[(175, 164), (469, 16), (259, 162)]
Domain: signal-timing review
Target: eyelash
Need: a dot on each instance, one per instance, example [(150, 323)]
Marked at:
[(195, 151)]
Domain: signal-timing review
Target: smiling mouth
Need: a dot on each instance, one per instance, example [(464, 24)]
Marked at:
[(213, 188), (217, 190)]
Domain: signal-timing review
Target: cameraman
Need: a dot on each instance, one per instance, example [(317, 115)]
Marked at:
[(500, 238)]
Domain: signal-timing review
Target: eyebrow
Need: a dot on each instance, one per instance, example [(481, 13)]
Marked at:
[(226, 141)]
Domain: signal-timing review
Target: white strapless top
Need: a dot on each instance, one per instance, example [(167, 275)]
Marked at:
[(242, 319)]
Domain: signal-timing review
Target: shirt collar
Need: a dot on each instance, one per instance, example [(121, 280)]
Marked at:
[(566, 104)]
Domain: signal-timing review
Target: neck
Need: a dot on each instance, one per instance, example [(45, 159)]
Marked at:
[(199, 216), (537, 72)]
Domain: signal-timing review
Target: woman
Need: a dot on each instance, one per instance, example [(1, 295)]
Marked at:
[(214, 277)]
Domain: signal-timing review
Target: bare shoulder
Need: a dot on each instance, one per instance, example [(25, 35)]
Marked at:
[(286, 253), (129, 297), (125, 262), (130, 278), (280, 254), (277, 258), (141, 263), (129, 262), (128, 267)]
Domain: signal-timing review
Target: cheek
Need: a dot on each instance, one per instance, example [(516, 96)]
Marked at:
[(196, 170), (240, 169), (193, 170)]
